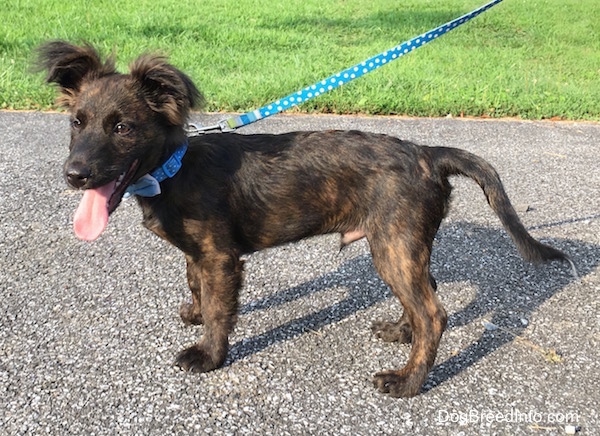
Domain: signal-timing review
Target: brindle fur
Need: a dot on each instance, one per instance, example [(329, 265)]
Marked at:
[(236, 194)]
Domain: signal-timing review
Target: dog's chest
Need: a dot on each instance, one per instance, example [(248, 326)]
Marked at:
[(153, 223)]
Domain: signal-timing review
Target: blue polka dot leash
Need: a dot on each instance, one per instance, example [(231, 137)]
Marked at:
[(345, 76)]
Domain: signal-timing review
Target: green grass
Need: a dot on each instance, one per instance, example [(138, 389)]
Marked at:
[(531, 59)]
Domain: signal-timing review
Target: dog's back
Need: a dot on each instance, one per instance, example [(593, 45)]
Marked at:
[(304, 183), (282, 188)]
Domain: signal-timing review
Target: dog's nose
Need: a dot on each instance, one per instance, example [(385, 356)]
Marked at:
[(77, 174)]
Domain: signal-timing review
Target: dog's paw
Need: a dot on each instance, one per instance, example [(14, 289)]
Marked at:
[(189, 315), (196, 359), (392, 331), (397, 383)]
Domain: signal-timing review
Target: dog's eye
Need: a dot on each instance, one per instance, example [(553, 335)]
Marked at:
[(75, 123), (122, 129)]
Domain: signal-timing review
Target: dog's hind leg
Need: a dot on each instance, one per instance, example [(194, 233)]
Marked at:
[(398, 331), (390, 331), (220, 278), (403, 263)]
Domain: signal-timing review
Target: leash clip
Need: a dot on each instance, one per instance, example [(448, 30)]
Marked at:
[(191, 130), (195, 130), (225, 127)]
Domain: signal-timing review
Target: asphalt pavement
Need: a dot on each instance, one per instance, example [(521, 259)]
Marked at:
[(89, 331)]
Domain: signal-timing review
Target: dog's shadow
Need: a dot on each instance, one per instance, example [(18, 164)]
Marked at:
[(463, 252)]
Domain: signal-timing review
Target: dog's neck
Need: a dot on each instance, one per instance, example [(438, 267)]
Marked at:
[(149, 184)]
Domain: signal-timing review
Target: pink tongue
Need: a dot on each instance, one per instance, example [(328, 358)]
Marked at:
[(91, 217)]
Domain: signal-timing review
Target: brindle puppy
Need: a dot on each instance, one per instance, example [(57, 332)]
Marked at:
[(236, 194)]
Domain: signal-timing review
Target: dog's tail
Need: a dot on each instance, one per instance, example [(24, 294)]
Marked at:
[(452, 161)]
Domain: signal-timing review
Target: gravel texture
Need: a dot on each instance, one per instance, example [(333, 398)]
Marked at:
[(89, 331)]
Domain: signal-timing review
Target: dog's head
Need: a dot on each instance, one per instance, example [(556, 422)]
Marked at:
[(122, 125)]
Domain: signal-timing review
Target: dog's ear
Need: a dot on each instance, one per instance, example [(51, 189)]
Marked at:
[(69, 66), (167, 90)]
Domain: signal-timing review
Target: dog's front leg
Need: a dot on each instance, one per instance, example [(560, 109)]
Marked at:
[(192, 313), (215, 280)]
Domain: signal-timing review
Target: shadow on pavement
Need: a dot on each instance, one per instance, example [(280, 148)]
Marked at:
[(508, 290)]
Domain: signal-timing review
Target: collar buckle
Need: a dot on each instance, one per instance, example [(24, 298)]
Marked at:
[(171, 166)]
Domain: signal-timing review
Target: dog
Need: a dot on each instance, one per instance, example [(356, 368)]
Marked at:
[(219, 196)]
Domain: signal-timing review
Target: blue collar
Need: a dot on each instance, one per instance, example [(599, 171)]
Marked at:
[(149, 185), (171, 166)]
